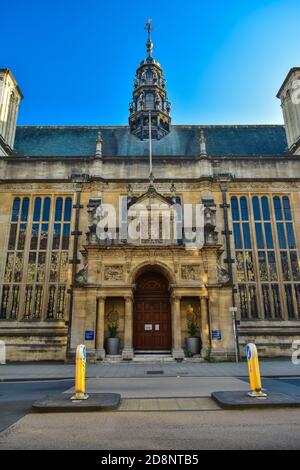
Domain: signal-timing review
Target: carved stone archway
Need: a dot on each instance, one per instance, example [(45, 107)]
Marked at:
[(156, 266)]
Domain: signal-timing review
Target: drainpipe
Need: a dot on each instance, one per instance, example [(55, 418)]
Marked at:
[(74, 261), (229, 260), (96, 325)]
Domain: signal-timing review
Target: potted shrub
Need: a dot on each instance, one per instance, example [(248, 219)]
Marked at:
[(192, 342), (113, 343)]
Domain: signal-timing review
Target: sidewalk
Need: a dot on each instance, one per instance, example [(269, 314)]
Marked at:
[(41, 371)]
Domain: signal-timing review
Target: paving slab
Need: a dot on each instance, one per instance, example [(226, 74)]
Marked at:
[(237, 400), (270, 429), (163, 387), (168, 404), (63, 403)]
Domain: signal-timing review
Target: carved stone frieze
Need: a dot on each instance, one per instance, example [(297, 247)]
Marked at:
[(266, 187), (190, 272), (128, 253), (23, 189), (140, 188), (114, 273)]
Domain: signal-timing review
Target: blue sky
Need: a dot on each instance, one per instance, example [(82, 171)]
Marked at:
[(75, 60)]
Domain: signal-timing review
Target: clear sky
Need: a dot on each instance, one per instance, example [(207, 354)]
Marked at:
[(75, 60)]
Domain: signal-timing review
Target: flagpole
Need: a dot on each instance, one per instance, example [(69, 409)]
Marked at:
[(150, 149)]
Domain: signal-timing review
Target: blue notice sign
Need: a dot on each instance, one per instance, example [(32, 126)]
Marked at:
[(216, 334), (89, 335)]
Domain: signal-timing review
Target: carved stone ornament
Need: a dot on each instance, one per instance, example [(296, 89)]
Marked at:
[(93, 209), (113, 273), (210, 233), (190, 272), (112, 316), (81, 276), (223, 275)]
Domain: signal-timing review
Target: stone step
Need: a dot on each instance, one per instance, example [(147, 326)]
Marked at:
[(113, 358), (154, 358)]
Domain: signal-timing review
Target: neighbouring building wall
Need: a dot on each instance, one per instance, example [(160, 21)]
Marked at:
[(289, 95), (10, 98)]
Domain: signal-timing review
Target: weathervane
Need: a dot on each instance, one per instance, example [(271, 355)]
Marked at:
[(149, 44)]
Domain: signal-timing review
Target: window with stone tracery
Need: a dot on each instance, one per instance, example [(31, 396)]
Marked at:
[(36, 266), (267, 260)]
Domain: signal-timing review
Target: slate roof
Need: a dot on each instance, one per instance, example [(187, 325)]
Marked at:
[(182, 141)]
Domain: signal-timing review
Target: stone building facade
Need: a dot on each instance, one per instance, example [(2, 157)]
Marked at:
[(61, 285)]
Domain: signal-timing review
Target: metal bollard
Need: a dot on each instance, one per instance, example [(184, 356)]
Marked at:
[(80, 374), (254, 372)]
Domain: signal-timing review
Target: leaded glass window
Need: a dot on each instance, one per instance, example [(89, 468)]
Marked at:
[(244, 258), (288, 254), (36, 265), (267, 260)]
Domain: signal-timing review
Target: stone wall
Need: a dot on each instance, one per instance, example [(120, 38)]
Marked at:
[(273, 339), (115, 169), (37, 342)]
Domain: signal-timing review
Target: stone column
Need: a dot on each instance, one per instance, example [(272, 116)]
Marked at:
[(204, 325), (127, 353), (100, 351), (177, 350)]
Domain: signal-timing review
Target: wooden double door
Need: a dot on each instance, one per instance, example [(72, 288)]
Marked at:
[(152, 314)]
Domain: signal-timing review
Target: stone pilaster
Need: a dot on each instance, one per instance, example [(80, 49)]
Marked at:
[(204, 325), (100, 351), (127, 353), (177, 350)]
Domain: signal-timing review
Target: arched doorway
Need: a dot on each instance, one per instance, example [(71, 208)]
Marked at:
[(152, 313)]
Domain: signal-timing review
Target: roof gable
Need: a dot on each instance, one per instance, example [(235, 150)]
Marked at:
[(151, 197)]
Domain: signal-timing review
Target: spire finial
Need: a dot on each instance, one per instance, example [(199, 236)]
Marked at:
[(202, 141), (173, 192), (149, 44), (99, 136), (99, 142)]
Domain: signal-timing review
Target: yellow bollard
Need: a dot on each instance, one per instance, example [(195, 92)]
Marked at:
[(80, 374), (254, 372)]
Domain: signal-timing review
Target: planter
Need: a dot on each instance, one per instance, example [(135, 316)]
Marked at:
[(193, 346), (112, 346)]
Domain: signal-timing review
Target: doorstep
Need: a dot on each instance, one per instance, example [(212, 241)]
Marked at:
[(153, 358), (140, 358), (112, 359), (197, 359)]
